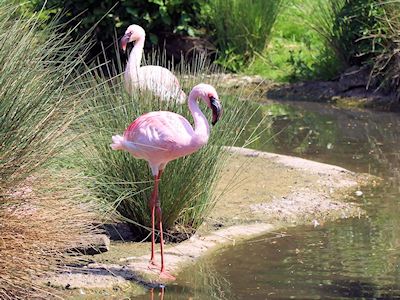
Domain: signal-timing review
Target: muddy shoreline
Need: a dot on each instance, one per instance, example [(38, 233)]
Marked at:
[(258, 193), (350, 89)]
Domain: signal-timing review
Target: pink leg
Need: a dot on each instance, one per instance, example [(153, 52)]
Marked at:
[(152, 204), (151, 294), (163, 272), (162, 294)]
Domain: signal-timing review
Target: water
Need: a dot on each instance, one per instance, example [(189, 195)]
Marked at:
[(347, 259)]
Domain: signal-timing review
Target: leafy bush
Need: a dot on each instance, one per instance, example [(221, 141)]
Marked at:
[(354, 23), (161, 19), (364, 33), (242, 28)]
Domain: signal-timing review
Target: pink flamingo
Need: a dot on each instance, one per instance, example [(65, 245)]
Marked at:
[(157, 79), (162, 136)]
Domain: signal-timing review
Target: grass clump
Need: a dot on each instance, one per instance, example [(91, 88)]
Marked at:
[(242, 29), (363, 33), (187, 185), (40, 216), (35, 109), (295, 51), (386, 60), (37, 227)]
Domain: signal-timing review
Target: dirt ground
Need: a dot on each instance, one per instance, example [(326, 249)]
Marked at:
[(258, 193)]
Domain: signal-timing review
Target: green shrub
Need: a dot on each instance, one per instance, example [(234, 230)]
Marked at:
[(242, 28), (363, 33), (160, 19), (354, 23)]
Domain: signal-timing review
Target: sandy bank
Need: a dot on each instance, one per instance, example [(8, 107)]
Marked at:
[(258, 193)]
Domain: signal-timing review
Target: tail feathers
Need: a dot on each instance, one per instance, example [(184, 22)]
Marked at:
[(118, 142)]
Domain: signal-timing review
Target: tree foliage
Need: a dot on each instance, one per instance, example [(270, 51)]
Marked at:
[(161, 19)]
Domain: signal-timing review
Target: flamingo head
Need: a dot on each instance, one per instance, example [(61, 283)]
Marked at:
[(132, 34), (209, 95)]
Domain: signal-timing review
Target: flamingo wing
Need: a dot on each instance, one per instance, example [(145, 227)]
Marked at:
[(159, 75), (161, 81), (159, 135)]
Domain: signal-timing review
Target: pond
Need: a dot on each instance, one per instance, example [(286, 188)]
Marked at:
[(346, 259)]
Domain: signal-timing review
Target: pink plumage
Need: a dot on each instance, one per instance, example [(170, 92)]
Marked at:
[(162, 136)]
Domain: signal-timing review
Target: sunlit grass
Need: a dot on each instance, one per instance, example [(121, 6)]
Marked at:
[(41, 214), (302, 45), (242, 30), (35, 109)]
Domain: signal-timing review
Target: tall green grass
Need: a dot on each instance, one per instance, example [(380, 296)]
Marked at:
[(242, 29), (292, 50), (362, 33), (35, 67), (351, 31), (386, 59), (39, 215), (187, 185), (323, 15)]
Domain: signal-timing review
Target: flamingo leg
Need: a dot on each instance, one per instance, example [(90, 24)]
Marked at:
[(162, 294), (163, 272), (151, 294), (152, 204)]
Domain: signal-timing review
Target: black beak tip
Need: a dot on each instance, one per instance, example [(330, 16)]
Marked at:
[(216, 109)]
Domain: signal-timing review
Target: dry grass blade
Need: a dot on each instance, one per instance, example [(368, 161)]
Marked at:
[(40, 216), (36, 228)]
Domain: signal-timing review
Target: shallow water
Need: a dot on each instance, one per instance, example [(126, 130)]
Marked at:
[(347, 259)]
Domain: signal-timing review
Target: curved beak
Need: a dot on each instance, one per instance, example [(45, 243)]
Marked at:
[(125, 40), (216, 110)]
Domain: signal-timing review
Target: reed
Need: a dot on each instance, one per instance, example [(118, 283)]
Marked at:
[(36, 109), (242, 28), (386, 59), (40, 216)]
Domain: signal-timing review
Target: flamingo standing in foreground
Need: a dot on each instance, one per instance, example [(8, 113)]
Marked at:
[(162, 136), (157, 79)]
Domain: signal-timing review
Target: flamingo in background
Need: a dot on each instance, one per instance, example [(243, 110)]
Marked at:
[(162, 136), (157, 79)]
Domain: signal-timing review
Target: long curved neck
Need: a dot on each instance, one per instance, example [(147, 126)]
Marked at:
[(135, 57), (201, 127)]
